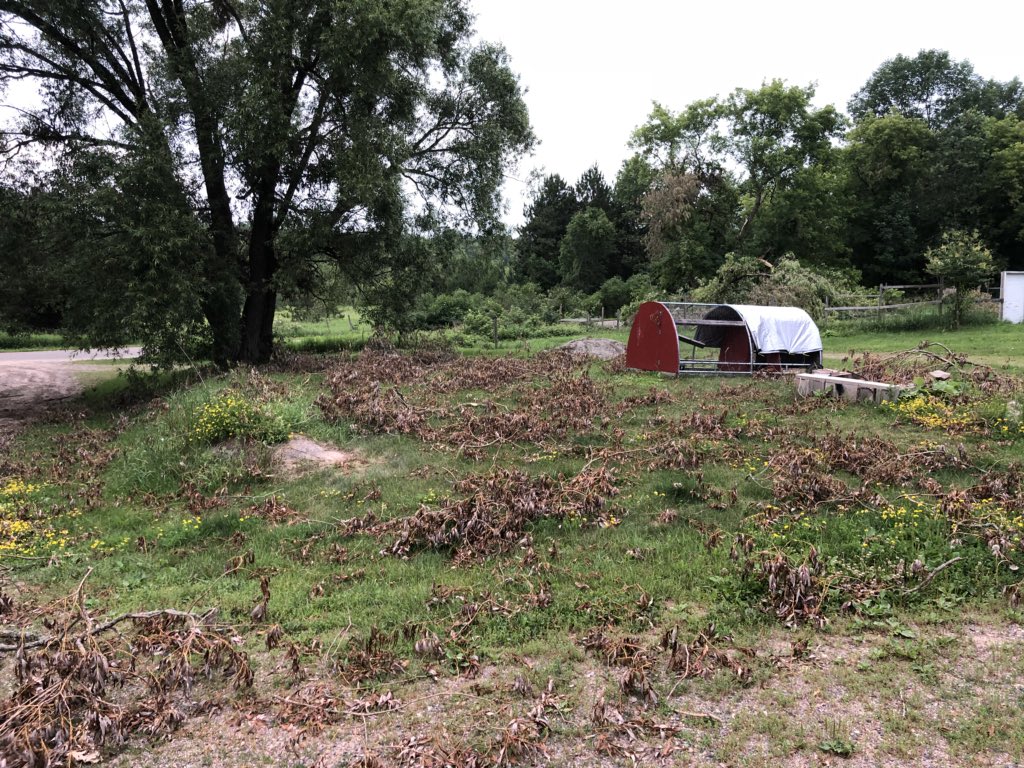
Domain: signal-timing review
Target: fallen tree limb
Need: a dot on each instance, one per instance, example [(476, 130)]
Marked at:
[(39, 642), (932, 575)]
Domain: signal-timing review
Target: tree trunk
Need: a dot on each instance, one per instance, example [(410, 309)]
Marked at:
[(257, 342), (258, 326), (220, 308)]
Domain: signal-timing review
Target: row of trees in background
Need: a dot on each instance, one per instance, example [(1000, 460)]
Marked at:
[(384, 193), (930, 147), (760, 196)]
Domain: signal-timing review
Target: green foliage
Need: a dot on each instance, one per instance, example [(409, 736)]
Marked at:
[(812, 289), (733, 281), (29, 299), (547, 217), (931, 87), (23, 529), (837, 740), (929, 154), (782, 195), (129, 262), (744, 280), (889, 182), (613, 294), (23, 340), (963, 262), (233, 415), (212, 435), (262, 137), (586, 249)]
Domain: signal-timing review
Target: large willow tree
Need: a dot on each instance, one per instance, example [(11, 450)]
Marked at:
[(195, 149)]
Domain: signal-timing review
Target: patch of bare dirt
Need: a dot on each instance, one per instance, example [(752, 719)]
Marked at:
[(890, 714), (602, 349), (992, 637), (29, 390), (302, 454)]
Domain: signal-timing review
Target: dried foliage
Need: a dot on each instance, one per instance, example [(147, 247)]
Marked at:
[(806, 477), (89, 686), (519, 742), (493, 512), (371, 658), (539, 398), (906, 366), (316, 704), (875, 460), (274, 511), (794, 593), (802, 477), (653, 396), (705, 655)]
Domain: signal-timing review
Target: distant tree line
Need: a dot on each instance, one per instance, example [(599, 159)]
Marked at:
[(929, 147), (756, 195)]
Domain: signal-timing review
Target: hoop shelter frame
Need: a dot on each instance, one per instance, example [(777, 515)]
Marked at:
[(655, 340)]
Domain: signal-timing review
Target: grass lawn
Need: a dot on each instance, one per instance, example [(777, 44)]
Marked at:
[(530, 556), (1000, 345)]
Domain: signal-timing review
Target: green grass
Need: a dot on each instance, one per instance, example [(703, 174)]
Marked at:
[(1000, 345), (161, 519), (345, 330), (30, 342)]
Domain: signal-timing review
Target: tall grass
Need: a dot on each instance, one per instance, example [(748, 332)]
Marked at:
[(31, 341)]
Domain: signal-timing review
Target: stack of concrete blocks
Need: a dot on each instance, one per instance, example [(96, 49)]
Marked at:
[(845, 386)]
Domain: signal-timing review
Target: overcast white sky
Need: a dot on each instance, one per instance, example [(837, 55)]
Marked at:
[(592, 69)]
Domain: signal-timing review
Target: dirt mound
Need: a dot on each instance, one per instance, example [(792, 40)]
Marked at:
[(302, 454), (602, 349)]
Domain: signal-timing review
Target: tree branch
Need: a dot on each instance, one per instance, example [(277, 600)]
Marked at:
[(98, 629)]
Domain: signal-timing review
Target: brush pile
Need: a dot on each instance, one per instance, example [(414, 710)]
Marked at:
[(89, 686), (494, 512)]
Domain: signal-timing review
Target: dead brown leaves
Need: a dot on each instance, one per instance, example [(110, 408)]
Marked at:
[(493, 512), (371, 658), (274, 511), (705, 655), (806, 477), (795, 591), (90, 686), (528, 400)]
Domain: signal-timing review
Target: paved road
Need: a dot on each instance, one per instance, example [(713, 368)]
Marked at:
[(68, 355)]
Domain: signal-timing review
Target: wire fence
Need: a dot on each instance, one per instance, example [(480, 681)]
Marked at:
[(884, 302)]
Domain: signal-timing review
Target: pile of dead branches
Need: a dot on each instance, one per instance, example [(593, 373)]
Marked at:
[(876, 460), (705, 655), (89, 685), (795, 591), (388, 393), (906, 366), (806, 477), (494, 512)]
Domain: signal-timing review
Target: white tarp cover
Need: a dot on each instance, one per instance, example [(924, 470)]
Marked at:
[(774, 329), (780, 329)]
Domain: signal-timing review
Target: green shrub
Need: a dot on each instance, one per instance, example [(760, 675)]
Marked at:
[(232, 415), (748, 280), (963, 262)]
